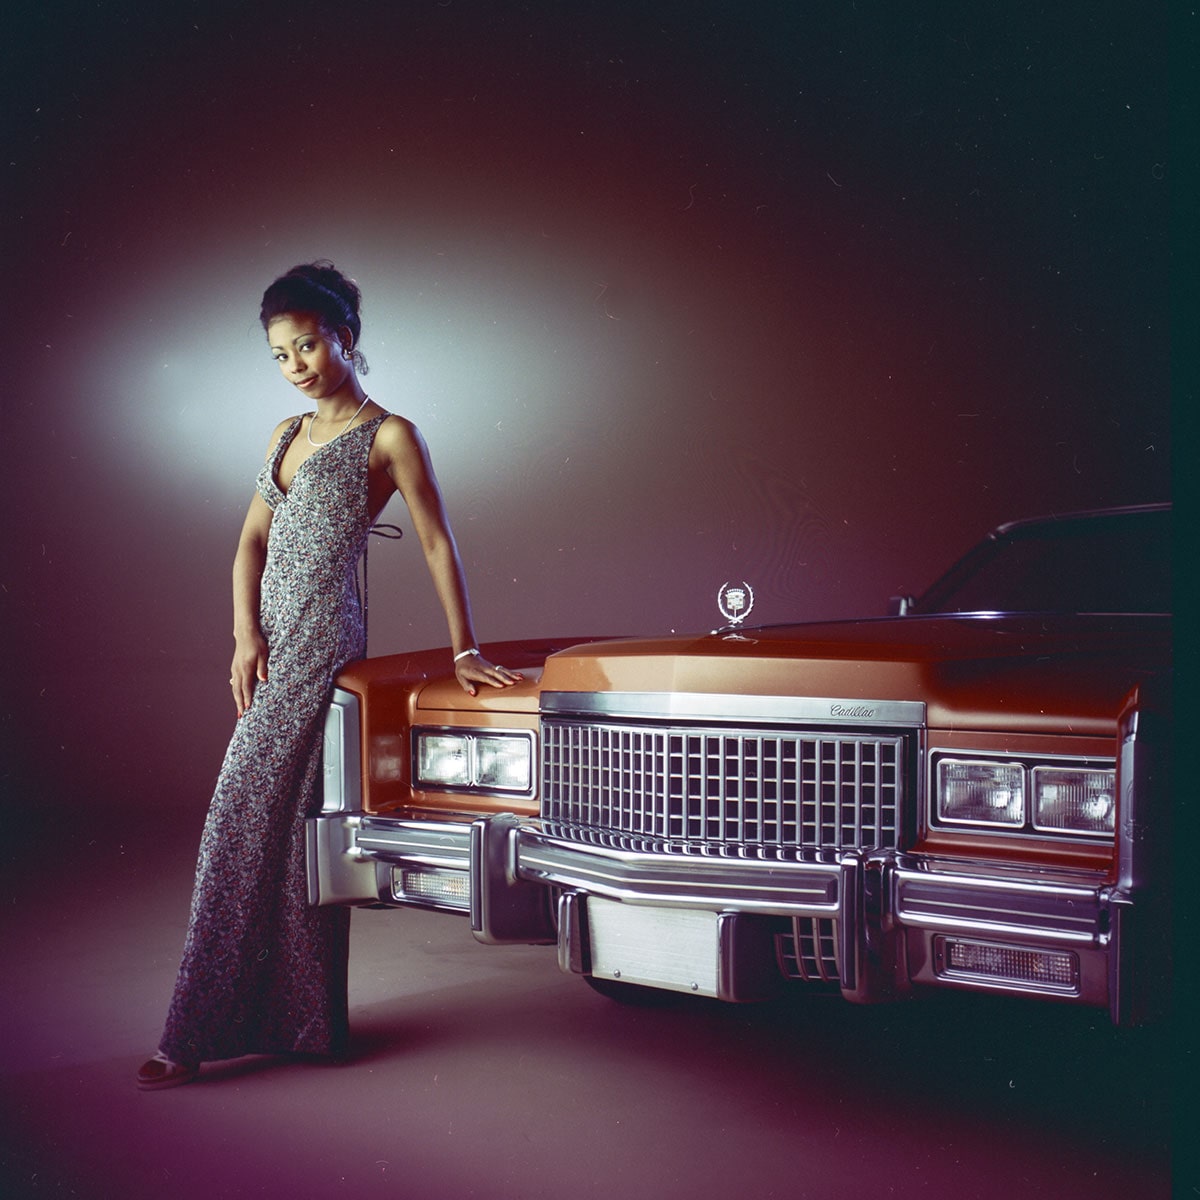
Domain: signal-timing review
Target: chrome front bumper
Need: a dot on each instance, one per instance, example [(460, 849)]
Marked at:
[(895, 922), (898, 921)]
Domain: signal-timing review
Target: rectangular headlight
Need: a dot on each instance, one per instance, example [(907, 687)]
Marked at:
[(1075, 800), (444, 759), (490, 762), (503, 762), (983, 793)]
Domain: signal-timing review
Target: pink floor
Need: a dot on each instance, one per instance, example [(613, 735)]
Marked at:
[(484, 1072)]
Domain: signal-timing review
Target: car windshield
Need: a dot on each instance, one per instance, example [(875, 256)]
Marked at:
[(1103, 563)]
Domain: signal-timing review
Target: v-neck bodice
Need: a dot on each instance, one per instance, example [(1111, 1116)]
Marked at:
[(268, 484)]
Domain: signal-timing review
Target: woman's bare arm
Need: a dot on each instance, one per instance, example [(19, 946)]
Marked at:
[(411, 471)]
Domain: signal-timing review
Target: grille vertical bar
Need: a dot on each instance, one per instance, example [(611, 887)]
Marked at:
[(810, 951), (725, 790)]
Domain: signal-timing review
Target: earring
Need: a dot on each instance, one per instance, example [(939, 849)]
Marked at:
[(347, 353)]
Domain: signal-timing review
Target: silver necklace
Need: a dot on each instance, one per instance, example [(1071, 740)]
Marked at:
[(308, 431)]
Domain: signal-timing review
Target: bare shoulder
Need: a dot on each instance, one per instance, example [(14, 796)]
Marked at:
[(398, 437), (395, 429)]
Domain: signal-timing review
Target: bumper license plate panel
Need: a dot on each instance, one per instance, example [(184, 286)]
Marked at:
[(658, 947)]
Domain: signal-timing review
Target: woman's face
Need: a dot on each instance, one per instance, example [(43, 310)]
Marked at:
[(310, 358)]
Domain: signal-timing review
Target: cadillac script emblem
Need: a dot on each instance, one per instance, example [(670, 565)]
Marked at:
[(735, 600)]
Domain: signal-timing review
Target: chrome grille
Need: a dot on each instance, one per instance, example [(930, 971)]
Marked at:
[(725, 790)]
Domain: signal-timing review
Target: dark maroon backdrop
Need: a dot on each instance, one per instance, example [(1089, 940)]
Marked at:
[(679, 293)]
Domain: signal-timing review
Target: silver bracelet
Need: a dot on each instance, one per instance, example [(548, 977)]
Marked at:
[(466, 654)]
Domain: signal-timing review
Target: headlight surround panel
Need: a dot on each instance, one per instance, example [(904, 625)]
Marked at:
[(484, 761), (1061, 798)]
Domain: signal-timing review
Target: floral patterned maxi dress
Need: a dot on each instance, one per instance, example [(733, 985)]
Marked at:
[(262, 972)]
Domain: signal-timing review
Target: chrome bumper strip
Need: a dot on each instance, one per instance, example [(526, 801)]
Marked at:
[(1055, 909), (416, 843), (639, 877), (1052, 910)]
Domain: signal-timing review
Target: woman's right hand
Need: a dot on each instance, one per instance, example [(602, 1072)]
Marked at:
[(249, 667)]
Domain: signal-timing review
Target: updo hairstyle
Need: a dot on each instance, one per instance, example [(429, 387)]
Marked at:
[(321, 289)]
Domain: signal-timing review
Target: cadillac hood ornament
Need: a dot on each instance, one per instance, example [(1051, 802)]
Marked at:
[(735, 600)]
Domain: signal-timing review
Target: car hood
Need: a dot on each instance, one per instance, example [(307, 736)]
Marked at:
[(1050, 673)]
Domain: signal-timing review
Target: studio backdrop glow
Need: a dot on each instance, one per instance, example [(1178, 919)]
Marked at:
[(677, 295)]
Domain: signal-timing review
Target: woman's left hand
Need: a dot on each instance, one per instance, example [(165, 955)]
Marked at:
[(475, 669)]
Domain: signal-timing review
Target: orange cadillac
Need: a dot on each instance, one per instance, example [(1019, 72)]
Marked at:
[(973, 793)]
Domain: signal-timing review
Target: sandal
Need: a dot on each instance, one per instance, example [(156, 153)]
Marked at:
[(160, 1072)]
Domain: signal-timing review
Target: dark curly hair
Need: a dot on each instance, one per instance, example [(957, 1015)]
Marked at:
[(321, 289)]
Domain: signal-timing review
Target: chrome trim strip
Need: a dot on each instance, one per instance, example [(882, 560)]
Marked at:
[(772, 888), (1140, 980), (416, 843), (341, 762), (695, 706)]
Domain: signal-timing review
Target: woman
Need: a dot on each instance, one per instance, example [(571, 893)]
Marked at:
[(262, 972)]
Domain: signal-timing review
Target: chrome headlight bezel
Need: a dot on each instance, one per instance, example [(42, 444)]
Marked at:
[(477, 761), (1042, 796)]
